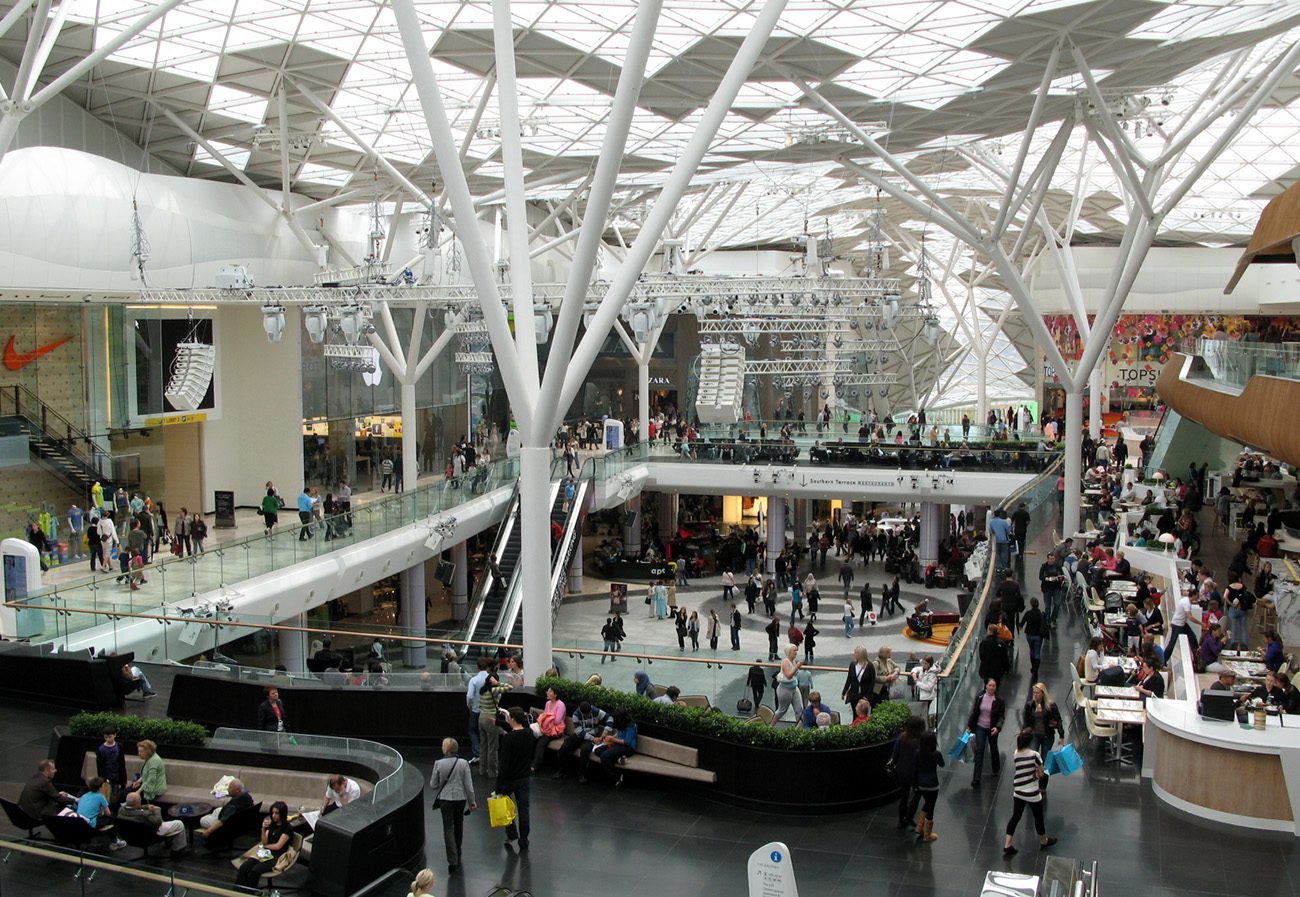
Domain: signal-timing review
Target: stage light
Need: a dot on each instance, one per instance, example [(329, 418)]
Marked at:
[(316, 319), (273, 322)]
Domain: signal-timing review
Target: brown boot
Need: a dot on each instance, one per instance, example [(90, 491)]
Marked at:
[(929, 831), (920, 825)]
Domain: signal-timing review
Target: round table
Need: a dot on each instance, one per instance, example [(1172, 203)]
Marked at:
[(189, 813)]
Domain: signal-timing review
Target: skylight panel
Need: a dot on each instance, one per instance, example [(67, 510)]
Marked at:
[(324, 174), (235, 103), (235, 155)]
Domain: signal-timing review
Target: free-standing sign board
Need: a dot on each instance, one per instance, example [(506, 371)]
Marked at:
[(225, 506), (771, 874)]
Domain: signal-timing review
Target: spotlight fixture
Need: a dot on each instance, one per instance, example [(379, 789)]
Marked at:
[(353, 323), (273, 322), (315, 318)]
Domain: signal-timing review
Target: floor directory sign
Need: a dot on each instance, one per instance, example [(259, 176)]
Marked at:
[(771, 873)]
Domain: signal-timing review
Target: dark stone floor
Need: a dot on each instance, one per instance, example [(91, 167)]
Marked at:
[(598, 841)]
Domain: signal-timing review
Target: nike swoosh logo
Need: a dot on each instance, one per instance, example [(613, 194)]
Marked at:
[(15, 360)]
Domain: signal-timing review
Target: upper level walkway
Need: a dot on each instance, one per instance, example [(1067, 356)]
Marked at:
[(256, 578)]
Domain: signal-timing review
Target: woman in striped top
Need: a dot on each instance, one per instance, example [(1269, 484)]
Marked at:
[(1025, 788)]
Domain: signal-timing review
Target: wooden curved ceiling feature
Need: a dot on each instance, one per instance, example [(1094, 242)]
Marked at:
[(1279, 224), (1259, 416)]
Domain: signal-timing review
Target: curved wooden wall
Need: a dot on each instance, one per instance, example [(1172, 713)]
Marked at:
[(1260, 417)]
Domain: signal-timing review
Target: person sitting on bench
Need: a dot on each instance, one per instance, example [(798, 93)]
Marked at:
[(240, 799)]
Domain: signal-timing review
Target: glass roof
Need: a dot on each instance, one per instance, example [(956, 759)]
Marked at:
[(946, 85)]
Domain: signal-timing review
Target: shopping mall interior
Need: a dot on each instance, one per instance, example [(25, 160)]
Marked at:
[(814, 389)]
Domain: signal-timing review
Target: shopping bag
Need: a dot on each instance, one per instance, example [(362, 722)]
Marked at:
[(501, 810), (1050, 763), (1067, 760), (958, 751)]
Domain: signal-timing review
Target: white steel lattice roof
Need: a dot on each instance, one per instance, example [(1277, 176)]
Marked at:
[(942, 84)]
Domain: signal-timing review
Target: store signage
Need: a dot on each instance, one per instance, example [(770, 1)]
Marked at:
[(771, 873), (173, 419), (16, 361)]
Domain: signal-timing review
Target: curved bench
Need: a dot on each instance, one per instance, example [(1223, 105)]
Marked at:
[(656, 756)]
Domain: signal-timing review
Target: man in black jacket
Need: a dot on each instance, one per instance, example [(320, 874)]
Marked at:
[(39, 796), (773, 630), (993, 659), (514, 766), (735, 628), (1012, 600)]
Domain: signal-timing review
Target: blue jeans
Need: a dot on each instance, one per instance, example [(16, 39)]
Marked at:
[(1035, 649), (984, 740), (1050, 604), (1004, 555), (1237, 624)]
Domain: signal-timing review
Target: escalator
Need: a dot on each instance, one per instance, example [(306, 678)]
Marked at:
[(510, 626), (489, 599)]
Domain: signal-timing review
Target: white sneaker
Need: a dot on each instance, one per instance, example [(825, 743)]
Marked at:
[(117, 845)]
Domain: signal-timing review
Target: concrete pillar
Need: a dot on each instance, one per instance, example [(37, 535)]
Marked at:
[(981, 388), (632, 526), (460, 581), (535, 556), (410, 460), (414, 619), (800, 527), (934, 528), (668, 505), (1096, 392), (293, 645), (775, 530), (1073, 462), (575, 569)]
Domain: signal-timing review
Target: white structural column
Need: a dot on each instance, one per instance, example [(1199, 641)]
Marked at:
[(934, 529), (575, 569), (1073, 460), (800, 524), (539, 400), (293, 645), (632, 526), (1096, 390), (460, 581), (413, 619), (775, 531)]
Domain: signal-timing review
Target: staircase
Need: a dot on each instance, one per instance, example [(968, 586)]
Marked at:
[(55, 443)]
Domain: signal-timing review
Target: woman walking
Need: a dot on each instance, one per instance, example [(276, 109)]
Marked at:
[(928, 761), (661, 600), (906, 750), (1025, 789), (693, 630), (1043, 719), (849, 619), (810, 633), (680, 624), (453, 795), (712, 632), (787, 686)]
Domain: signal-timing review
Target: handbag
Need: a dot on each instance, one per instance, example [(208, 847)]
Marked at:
[(1065, 760), (437, 798), (958, 750), (501, 810)]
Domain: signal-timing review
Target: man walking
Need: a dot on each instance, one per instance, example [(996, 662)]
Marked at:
[(735, 628), (516, 763), (1020, 526), (1051, 577), (1000, 533), (846, 576), (304, 514)]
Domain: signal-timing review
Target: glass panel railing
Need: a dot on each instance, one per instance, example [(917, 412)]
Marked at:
[(39, 867), (171, 579), (937, 431), (1234, 362), (385, 761), (960, 662), (983, 457)]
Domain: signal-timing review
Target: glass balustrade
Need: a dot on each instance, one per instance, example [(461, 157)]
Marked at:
[(31, 867), (382, 759), (1234, 362)]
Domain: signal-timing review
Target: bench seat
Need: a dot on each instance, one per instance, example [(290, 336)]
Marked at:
[(191, 781), (656, 756)]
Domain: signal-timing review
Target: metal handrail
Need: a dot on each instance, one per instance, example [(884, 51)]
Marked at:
[(95, 861), (24, 399)]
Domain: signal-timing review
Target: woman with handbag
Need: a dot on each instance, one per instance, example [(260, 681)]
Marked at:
[(1042, 718), (453, 789), (1027, 792)]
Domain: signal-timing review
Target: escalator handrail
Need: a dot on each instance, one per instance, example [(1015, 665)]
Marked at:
[(510, 607), (485, 581)]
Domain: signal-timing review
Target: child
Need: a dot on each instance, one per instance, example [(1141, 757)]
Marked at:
[(110, 763), (137, 570)]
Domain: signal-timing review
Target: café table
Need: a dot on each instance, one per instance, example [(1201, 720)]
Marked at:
[(1245, 669), (1249, 656), (1114, 692), (1127, 664), (1119, 718)]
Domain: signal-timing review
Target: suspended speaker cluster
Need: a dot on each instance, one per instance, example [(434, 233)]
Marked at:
[(191, 375)]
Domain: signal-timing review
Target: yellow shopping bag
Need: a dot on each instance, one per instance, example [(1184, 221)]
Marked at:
[(501, 810)]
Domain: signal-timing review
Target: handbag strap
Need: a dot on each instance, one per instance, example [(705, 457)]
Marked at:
[(437, 797)]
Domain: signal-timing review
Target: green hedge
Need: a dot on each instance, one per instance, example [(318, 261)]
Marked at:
[(886, 720), (135, 728)]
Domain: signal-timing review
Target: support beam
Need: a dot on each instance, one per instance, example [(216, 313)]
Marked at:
[(1035, 113), (27, 71)]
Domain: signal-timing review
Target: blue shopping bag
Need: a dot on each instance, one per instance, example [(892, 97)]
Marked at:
[(1050, 766), (958, 751), (1066, 760)]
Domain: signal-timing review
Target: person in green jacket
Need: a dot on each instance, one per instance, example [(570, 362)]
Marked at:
[(152, 782), (270, 509)]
